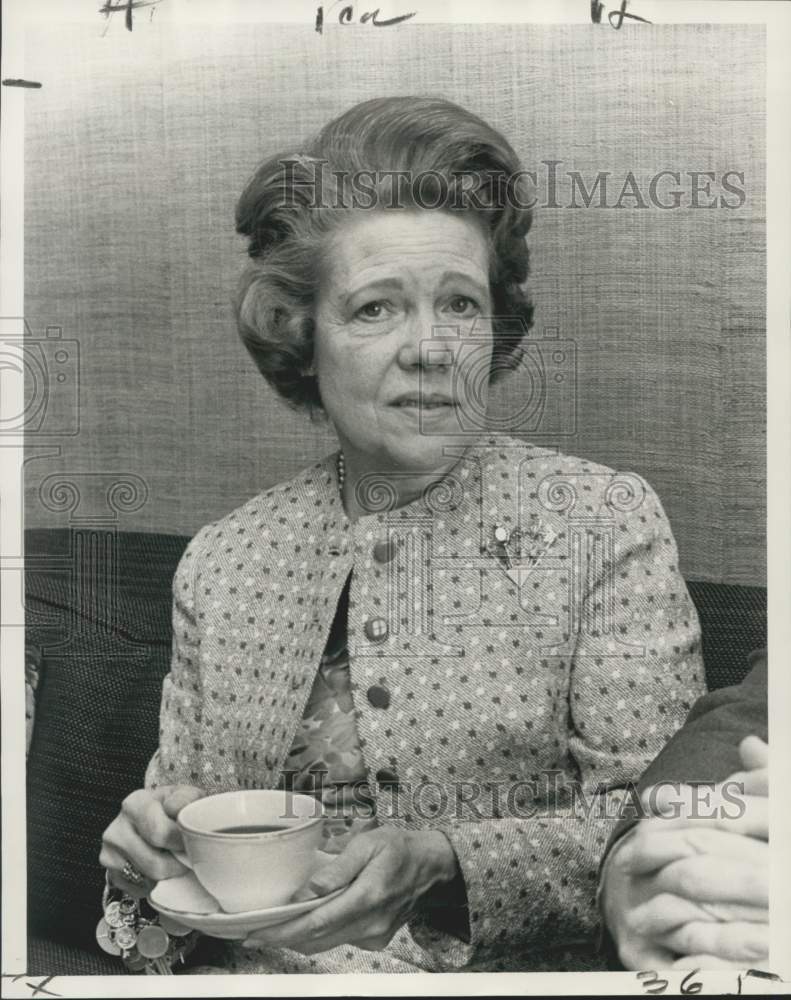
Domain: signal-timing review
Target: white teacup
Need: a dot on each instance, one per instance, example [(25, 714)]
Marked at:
[(252, 869)]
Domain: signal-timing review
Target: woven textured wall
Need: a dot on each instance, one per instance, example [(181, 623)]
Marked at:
[(137, 146)]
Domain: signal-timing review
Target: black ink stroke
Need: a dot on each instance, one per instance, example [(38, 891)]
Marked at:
[(346, 16), (372, 17), (128, 7), (21, 83), (615, 17), (652, 983), (693, 988), (37, 989)]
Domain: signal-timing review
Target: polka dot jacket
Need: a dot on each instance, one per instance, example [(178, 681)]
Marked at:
[(521, 646)]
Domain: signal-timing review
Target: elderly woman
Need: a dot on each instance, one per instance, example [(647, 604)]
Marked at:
[(475, 642)]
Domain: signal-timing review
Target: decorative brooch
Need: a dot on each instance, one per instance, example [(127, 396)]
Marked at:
[(523, 546)]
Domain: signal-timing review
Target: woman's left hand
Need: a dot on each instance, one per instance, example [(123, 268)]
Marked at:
[(386, 871)]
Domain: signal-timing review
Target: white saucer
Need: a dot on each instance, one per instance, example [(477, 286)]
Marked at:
[(186, 902)]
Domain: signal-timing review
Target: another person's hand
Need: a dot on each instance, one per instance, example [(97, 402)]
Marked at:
[(753, 784), (663, 891), (385, 872), (750, 785), (754, 775), (143, 835)]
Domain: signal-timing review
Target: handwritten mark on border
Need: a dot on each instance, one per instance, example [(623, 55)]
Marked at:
[(656, 986), (615, 17), (346, 16), (128, 7), (37, 989)]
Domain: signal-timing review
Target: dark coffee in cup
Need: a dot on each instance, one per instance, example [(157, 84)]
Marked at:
[(248, 829), (252, 848)]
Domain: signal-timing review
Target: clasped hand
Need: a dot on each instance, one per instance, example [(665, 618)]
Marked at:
[(694, 887)]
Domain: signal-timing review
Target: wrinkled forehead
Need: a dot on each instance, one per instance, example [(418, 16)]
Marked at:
[(415, 245)]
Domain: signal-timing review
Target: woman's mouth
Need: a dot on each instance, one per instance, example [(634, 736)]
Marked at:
[(429, 402), (417, 404)]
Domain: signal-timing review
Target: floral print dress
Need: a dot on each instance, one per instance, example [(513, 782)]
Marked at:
[(325, 759)]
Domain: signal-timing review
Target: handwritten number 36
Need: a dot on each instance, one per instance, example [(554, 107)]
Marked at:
[(654, 985)]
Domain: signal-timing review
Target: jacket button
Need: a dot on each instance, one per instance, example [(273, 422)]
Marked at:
[(386, 778), (379, 696), (384, 551), (376, 629)]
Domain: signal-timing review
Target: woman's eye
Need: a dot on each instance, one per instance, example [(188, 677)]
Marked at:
[(372, 310), (463, 305)]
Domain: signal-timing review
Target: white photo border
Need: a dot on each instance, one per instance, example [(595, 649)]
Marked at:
[(777, 18)]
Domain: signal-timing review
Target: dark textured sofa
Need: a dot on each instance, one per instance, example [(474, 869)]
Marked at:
[(98, 619)]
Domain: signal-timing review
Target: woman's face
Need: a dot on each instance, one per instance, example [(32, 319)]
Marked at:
[(396, 394)]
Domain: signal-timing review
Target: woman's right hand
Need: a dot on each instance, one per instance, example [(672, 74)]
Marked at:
[(144, 834)]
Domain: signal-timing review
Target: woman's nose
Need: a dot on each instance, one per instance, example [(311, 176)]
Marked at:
[(421, 347), (409, 355)]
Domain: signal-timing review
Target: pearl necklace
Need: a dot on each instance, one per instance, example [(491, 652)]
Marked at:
[(341, 471)]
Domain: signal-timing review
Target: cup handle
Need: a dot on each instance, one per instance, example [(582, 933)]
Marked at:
[(182, 857)]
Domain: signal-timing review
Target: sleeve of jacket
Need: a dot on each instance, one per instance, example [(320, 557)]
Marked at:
[(181, 755), (706, 749), (635, 672)]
